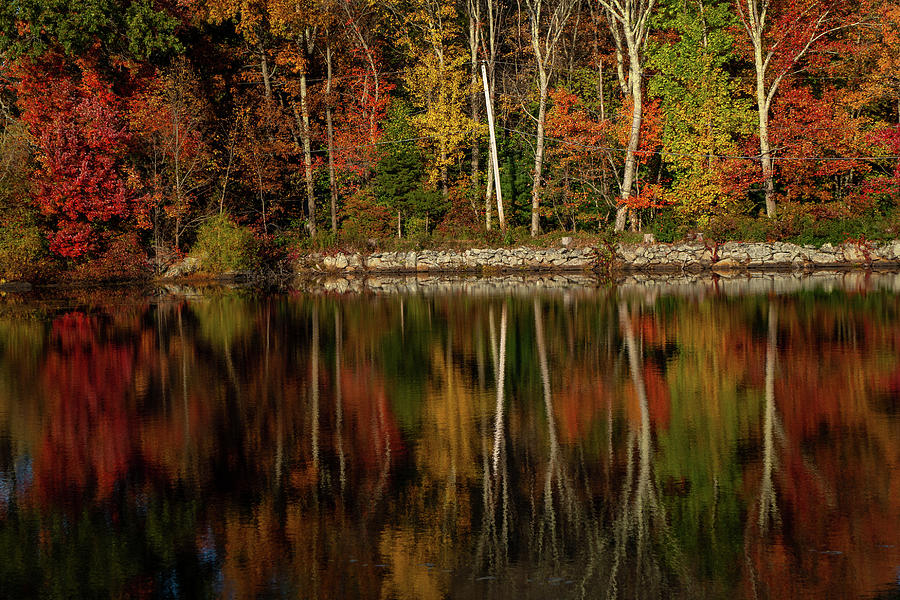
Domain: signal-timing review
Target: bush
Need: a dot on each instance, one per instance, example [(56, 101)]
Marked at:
[(23, 249), (123, 258), (417, 228), (366, 219), (737, 228), (223, 246), (667, 227)]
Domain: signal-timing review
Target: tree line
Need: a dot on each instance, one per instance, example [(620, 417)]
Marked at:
[(128, 127)]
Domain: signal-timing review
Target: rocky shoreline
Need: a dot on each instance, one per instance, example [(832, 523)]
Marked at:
[(627, 258), (649, 260)]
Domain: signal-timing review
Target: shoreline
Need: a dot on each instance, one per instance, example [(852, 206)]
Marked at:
[(621, 258), (650, 260)]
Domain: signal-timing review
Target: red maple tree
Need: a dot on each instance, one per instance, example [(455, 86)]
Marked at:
[(75, 119)]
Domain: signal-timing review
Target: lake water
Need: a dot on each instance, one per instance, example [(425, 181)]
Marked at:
[(503, 439)]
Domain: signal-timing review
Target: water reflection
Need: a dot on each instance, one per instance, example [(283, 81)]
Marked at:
[(588, 444)]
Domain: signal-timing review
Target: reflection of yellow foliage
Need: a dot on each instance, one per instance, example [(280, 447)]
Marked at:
[(20, 352), (447, 456), (252, 548), (449, 444), (409, 576)]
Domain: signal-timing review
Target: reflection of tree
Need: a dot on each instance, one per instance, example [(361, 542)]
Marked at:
[(493, 543), (644, 558), (314, 391), (550, 535), (519, 466), (767, 513), (768, 507), (338, 399)]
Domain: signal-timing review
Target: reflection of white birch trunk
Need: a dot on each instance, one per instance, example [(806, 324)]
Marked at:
[(500, 370), (549, 534), (552, 464), (768, 507), (279, 407), (494, 539), (640, 515), (767, 503), (338, 397), (314, 386)]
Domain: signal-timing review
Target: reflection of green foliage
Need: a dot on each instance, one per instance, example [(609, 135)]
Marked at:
[(709, 414), (155, 541), (225, 319), (405, 357), (52, 555)]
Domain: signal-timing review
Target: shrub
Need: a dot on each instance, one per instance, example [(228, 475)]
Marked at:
[(223, 246), (123, 258), (416, 227), (457, 216), (366, 219), (667, 227), (22, 247), (739, 228)]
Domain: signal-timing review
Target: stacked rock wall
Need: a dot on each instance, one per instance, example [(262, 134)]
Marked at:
[(761, 255), (455, 261), (628, 257)]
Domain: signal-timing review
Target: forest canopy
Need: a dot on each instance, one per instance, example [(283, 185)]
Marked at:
[(132, 130)]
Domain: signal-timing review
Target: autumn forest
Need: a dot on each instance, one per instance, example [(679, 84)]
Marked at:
[(134, 132)]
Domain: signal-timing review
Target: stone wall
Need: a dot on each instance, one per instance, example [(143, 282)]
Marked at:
[(454, 261), (762, 255), (628, 258)]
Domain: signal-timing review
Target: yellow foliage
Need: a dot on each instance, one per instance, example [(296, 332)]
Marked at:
[(440, 88)]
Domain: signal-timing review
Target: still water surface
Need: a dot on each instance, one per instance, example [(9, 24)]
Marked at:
[(581, 444)]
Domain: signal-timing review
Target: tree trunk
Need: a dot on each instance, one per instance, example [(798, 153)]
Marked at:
[(488, 192), (332, 185), (264, 67), (445, 171), (765, 149), (539, 153), (634, 80), (476, 150), (307, 159)]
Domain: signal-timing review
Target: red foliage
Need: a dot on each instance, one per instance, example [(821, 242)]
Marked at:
[(76, 121), (122, 258), (798, 30), (358, 117), (805, 125), (889, 184)]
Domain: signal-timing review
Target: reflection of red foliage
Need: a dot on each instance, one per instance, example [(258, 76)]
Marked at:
[(87, 439), (658, 400), (832, 541), (580, 403), (369, 422)]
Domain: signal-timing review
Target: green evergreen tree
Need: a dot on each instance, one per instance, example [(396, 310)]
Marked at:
[(400, 178)]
